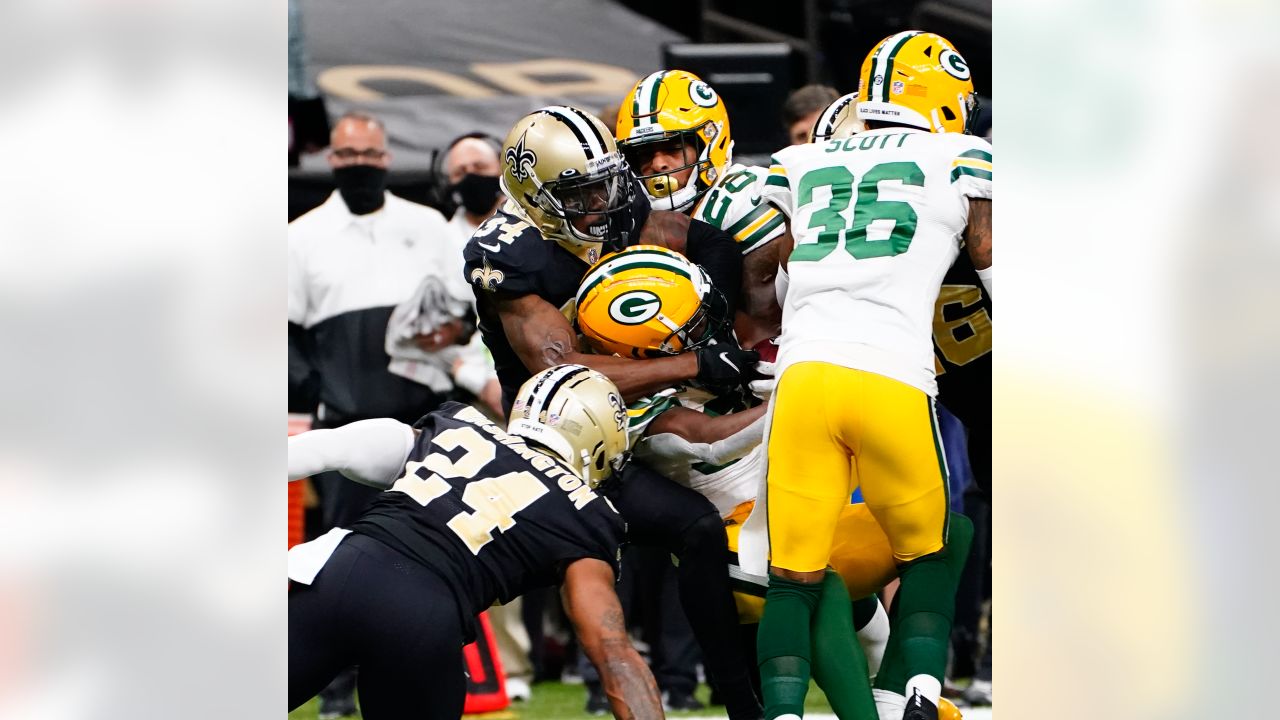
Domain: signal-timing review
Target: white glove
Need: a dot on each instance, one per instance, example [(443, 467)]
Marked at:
[(763, 387)]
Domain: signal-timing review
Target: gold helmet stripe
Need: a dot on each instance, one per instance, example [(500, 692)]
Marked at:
[(587, 134), (884, 61)]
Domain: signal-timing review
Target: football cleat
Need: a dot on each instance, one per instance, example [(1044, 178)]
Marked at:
[(917, 79), (648, 301), (675, 109), (577, 414), (920, 707)]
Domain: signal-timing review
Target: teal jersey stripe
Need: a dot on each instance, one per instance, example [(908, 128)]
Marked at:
[(980, 174), (976, 155), (778, 181)]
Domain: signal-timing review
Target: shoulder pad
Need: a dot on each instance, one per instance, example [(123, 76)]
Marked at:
[(734, 205), (502, 255)]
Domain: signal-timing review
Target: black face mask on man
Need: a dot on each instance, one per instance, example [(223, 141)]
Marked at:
[(476, 193), (362, 187)]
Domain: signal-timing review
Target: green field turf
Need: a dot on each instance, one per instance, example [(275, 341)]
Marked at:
[(557, 701)]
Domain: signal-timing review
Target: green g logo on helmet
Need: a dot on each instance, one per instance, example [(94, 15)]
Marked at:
[(635, 307), (702, 95), (954, 64)]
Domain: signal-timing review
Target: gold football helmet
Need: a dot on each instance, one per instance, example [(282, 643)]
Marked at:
[(839, 120), (562, 170), (918, 79), (578, 415), (648, 301), (676, 109)]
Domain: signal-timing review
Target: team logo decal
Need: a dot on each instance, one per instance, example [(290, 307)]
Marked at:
[(521, 160), (488, 278), (897, 87), (702, 95), (954, 64), (619, 412), (634, 307)]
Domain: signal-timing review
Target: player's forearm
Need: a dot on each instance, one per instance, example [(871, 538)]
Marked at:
[(627, 681), (636, 378)]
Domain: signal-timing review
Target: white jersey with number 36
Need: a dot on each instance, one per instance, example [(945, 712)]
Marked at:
[(877, 219)]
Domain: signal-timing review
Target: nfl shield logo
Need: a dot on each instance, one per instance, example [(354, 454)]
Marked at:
[(897, 87)]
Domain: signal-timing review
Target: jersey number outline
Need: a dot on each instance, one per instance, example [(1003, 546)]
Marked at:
[(494, 501), (868, 209), (511, 230), (977, 340), (730, 185)]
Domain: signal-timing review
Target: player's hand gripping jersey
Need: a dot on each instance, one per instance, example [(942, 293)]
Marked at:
[(491, 516), (877, 219)]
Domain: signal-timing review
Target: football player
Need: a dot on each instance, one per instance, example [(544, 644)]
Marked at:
[(572, 198), (472, 515), (877, 220), (962, 349), (674, 130), (711, 442)]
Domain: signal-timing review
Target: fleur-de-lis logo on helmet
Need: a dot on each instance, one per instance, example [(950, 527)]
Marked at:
[(520, 159), (488, 278)]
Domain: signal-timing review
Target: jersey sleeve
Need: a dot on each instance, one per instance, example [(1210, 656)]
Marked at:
[(776, 189), (971, 168), (734, 205), (642, 412), (503, 255)]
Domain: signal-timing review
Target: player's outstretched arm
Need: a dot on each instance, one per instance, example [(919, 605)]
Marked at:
[(543, 338), (977, 239), (697, 427), (592, 606), (370, 452)]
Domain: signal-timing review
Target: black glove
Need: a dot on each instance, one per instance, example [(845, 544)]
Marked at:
[(723, 366)]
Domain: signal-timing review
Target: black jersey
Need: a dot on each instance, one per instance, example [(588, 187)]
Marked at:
[(491, 516), (962, 344), (509, 256)]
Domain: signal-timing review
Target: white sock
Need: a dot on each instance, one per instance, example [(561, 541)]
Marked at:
[(874, 638), (889, 704), (927, 685), (788, 716)]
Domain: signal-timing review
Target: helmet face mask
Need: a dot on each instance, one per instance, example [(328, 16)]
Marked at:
[(676, 186), (648, 301), (593, 208), (674, 111), (564, 174)]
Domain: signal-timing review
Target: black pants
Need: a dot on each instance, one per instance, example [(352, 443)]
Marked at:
[(679, 521), (370, 606)]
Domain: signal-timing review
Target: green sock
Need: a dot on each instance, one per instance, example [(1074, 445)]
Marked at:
[(921, 634), (782, 645), (838, 663)]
